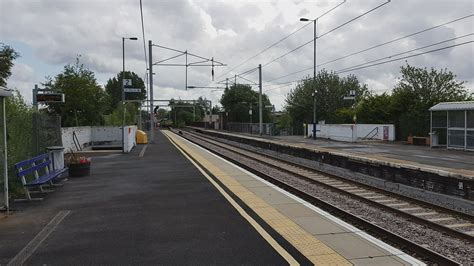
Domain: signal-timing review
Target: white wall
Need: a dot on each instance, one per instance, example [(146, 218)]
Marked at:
[(83, 135), (364, 129), (89, 135), (110, 133), (129, 137), (353, 133)]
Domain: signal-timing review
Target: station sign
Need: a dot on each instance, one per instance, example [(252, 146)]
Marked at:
[(132, 90), (50, 97)]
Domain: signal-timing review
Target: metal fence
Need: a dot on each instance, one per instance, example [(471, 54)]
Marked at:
[(251, 128), (46, 132)]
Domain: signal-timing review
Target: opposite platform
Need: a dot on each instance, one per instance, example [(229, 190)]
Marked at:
[(451, 163)]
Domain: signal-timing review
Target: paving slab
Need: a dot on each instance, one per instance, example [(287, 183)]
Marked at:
[(351, 246), (317, 225), (294, 210)]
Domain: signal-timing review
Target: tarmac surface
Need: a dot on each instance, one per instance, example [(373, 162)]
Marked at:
[(455, 159), (457, 162), (156, 209)]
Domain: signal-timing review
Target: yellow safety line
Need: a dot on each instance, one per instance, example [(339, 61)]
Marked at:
[(278, 248)]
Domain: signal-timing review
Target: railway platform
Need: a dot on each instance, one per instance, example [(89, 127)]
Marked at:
[(448, 162), (175, 203), (431, 175)]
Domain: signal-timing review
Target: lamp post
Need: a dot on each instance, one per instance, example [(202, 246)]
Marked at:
[(315, 29), (314, 113), (315, 22), (315, 40), (123, 87)]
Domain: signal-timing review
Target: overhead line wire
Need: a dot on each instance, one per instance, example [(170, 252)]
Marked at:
[(397, 39), (376, 46), (144, 47), (416, 49), (143, 32), (401, 58), (353, 68), (326, 33), (267, 48)]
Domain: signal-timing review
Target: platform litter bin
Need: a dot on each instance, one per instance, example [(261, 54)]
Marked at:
[(141, 137), (434, 141), (56, 154)]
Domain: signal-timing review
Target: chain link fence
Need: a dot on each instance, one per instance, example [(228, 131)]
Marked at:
[(251, 128), (46, 132), (29, 133)]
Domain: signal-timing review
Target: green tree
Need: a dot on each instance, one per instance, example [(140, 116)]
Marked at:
[(114, 88), (116, 118), (7, 56), (417, 91), (331, 90), (162, 114), (238, 99), (86, 101), (375, 109), (184, 112)]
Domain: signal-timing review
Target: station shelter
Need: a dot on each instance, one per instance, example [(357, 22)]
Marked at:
[(452, 125)]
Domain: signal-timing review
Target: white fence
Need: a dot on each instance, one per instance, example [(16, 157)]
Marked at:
[(86, 137), (353, 132)]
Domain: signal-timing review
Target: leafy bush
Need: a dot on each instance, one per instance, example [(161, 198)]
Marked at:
[(19, 138)]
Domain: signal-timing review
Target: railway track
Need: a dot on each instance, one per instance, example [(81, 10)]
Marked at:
[(450, 222)]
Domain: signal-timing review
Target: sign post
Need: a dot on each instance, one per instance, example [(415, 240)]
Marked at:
[(3, 94)]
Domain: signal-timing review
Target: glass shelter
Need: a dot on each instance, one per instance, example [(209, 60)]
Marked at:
[(452, 125)]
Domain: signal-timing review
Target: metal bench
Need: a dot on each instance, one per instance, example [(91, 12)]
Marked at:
[(36, 172)]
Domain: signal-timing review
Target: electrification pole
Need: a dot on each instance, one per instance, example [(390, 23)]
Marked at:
[(260, 109), (152, 115)]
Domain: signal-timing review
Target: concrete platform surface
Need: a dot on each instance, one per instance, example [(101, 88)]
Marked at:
[(150, 210), (437, 160), (319, 236)]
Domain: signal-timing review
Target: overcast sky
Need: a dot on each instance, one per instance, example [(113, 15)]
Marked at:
[(51, 33)]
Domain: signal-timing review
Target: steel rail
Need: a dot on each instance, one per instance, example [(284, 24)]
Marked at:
[(381, 233)]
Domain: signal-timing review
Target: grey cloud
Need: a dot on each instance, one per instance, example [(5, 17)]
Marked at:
[(59, 30)]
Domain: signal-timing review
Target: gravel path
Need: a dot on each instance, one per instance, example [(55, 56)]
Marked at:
[(458, 250)]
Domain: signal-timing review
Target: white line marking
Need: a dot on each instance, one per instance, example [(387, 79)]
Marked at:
[(34, 244), (142, 152), (394, 251)]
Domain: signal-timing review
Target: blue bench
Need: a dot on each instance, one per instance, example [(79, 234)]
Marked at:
[(36, 172)]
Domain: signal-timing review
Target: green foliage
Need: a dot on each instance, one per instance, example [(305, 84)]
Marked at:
[(7, 56), (237, 101), (117, 116), (19, 127), (114, 88), (329, 99), (162, 114), (183, 112), (345, 115), (375, 109), (86, 101), (284, 121), (417, 91)]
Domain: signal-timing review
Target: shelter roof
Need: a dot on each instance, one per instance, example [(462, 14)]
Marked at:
[(453, 106)]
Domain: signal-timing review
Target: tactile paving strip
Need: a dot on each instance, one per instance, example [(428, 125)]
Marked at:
[(316, 251)]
